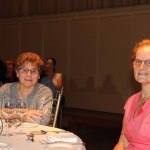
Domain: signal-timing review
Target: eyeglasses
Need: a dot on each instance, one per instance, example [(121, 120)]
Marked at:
[(32, 71), (138, 62)]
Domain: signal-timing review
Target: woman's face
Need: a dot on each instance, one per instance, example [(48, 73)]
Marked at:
[(49, 64), (141, 65), (28, 74)]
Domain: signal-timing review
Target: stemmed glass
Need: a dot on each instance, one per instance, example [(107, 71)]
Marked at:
[(22, 110), (8, 110)]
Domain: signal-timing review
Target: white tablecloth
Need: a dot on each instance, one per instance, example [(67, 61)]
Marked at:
[(19, 142)]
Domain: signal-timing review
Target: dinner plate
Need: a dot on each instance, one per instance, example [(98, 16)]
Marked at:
[(59, 146), (29, 125), (4, 146)]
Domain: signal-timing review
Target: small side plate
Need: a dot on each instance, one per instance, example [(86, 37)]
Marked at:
[(4, 146)]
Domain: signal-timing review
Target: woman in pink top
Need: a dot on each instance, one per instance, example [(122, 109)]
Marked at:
[(135, 134)]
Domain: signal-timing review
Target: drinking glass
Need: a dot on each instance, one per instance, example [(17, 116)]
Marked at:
[(22, 110), (8, 110)]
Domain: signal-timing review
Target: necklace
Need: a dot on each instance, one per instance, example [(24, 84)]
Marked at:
[(144, 96), (142, 99), (140, 104)]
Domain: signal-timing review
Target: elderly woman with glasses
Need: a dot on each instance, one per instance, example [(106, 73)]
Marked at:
[(38, 96), (135, 134)]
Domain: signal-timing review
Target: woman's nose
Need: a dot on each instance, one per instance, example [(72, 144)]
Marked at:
[(29, 73), (142, 66)]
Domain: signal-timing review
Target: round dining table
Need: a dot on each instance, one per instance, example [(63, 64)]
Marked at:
[(35, 137)]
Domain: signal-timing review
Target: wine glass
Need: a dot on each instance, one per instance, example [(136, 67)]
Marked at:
[(8, 110), (22, 110)]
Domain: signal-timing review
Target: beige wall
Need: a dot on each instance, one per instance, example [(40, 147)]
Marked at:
[(92, 51)]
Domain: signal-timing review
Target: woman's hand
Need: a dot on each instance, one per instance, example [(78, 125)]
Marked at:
[(33, 114)]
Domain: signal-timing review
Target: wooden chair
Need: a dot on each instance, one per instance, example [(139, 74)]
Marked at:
[(56, 109)]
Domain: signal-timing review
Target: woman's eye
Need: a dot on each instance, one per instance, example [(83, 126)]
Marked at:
[(147, 62)]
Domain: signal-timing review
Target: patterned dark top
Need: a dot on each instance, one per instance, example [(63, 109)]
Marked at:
[(47, 82), (39, 99)]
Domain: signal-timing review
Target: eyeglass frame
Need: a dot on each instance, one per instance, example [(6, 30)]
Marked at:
[(138, 62), (26, 71)]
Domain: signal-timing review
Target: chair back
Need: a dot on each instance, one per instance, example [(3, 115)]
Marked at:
[(59, 92), (56, 107)]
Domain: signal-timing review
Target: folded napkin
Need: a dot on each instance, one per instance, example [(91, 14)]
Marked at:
[(62, 137), (59, 146)]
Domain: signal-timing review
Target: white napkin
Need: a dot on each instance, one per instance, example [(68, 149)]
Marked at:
[(62, 137), (59, 146)]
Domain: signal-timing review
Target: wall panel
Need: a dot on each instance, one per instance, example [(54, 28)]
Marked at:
[(141, 26), (31, 37), (56, 42), (82, 70), (92, 50), (9, 40)]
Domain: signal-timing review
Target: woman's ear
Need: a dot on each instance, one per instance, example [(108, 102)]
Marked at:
[(16, 73)]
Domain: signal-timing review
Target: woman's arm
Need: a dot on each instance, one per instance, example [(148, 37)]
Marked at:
[(40, 116), (47, 111), (41, 108), (122, 142), (34, 116), (58, 81)]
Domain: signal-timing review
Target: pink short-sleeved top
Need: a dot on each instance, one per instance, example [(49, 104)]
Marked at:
[(137, 129)]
